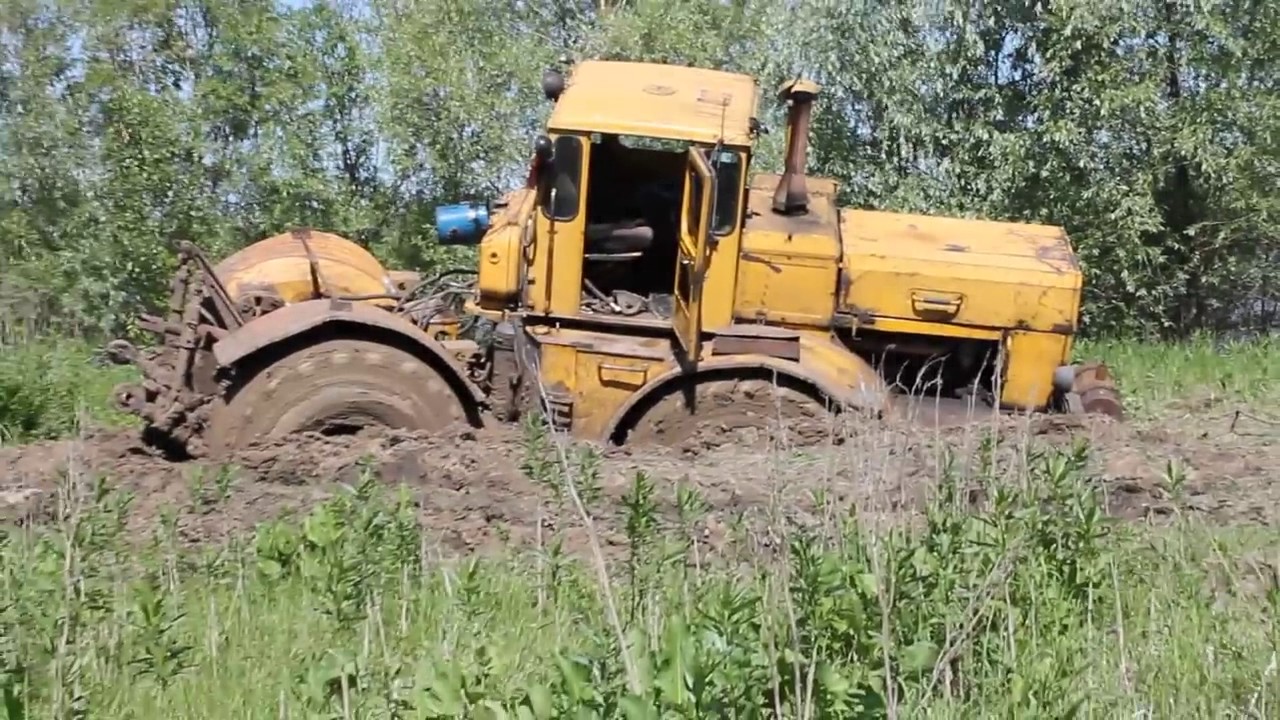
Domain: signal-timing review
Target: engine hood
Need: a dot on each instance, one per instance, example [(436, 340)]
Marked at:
[(981, 273)]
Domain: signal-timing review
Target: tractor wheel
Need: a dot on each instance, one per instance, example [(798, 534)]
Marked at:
[(734, 411), (335, 387)]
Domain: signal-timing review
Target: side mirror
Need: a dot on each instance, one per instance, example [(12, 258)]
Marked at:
[(543, 149), (552, 84)]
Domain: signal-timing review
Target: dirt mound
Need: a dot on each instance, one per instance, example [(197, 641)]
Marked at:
[(472, 488)]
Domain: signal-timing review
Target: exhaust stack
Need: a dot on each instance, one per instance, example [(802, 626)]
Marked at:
[(792, 195)]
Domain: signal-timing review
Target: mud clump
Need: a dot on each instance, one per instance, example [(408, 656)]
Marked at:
[(472, 493)]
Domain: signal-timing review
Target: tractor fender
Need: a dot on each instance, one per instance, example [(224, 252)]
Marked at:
[(832, 370), (328, 316)]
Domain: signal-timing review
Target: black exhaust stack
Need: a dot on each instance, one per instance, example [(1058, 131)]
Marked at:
[(792, 195)]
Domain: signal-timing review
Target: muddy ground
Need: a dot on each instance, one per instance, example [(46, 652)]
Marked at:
[(471, 490)]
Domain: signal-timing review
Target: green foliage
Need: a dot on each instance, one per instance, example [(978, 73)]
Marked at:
[(48, 387), (1030, 603), (1148, 129), (1200, 375)]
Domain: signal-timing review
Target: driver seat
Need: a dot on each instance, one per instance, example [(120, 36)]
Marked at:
[(618, 241)]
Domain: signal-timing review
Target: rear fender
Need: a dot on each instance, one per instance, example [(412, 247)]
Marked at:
[(829, 369), (313, 320)]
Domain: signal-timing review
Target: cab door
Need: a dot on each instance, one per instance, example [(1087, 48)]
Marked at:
[(691, 260)]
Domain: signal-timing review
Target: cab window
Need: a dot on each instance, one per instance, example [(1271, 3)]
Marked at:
[(565, 177), (727, 166)]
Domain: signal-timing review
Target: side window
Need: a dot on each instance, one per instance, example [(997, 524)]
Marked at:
[(695, 202), (565, 177), (728, 170)]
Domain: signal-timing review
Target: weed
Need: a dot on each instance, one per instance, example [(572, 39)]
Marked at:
[(1032, 602)]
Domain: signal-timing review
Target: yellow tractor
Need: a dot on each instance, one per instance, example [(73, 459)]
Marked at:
[(642, 285)]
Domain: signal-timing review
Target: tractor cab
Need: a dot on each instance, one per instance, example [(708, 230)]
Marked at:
[(634, 204), (644, 198), (640, 180)]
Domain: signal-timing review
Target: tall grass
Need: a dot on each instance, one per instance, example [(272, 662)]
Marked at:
[(1202, 373), (1030, 602), (50, 386)]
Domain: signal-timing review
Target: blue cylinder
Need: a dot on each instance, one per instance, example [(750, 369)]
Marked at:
[(462, 223)]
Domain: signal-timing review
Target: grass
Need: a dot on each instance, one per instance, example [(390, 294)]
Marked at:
[(51, 386), (1035, 604), (1201, 373), (1032, 603)]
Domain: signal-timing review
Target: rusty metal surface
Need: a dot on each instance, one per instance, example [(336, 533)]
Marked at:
[(303, 236), (178, 380), (769, 347), (767, 340), (1097, 390), (807, 263), (217, 290), (610, 343), (304, 264), (792, 194), (295, 319), (207, 328)]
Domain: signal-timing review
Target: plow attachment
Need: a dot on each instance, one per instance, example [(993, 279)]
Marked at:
[(178, 378), (181, 381)]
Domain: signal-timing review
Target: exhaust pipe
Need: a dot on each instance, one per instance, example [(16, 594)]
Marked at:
[(792, 195)]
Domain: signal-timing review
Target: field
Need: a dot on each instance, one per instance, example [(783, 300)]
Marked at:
[(1038, 567)]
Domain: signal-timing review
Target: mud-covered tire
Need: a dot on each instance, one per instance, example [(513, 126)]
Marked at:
[(731, 411), (335, 386)]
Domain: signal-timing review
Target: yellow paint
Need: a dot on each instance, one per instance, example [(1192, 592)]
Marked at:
[(653, 100), (557, 265), (843, 376), (472, 307), (912, 275), (600, 371), (824, 357), (721, 279), (558, 363), (404, 280), (789, 266), (969, 272), (604, 383), (1032, 356), (691, 263), (498, 278), (935, 329), (280, 264)]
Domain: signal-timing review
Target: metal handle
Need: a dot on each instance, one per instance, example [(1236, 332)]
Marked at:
[(930, 302)]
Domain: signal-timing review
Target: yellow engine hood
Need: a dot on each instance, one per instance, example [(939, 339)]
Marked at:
[(977, 273)]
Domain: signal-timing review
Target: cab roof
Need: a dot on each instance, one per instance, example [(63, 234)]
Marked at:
[(665, 101)]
